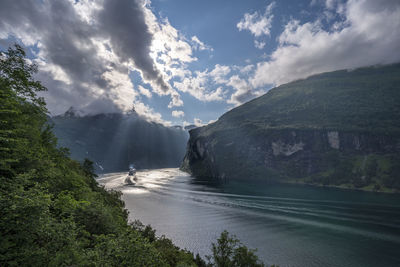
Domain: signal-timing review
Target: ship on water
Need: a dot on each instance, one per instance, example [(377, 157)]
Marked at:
[(131, 178)]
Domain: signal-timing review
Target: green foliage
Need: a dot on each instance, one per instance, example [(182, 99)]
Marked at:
[(22, 113), (171, 253), (229, 252)]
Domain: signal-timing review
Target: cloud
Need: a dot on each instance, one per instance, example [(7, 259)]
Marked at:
[(172, 52), (124, 22), (243, 91), (198, 122), (144, 91), (368, 34), (178, 113), (246, 69), (168, 45), (176, 100), (87, 49), (71, 61), (259, 44), (203, 84), (208, 86), (219, 73), (258, 24), (330, 4), (74, 56), (148, 113), (199, 45)]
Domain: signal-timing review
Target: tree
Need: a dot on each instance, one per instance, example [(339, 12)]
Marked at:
[(230, 252), (22, 112)]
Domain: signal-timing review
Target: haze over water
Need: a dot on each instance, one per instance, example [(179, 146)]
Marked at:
[(289, 225)]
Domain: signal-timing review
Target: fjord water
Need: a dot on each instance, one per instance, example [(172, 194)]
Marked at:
[(290, 225)]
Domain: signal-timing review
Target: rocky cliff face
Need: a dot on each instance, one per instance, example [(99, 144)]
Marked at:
[(253, 143), (283, 154)]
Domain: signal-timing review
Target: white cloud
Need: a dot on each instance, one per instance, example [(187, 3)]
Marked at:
[(198, 122), (199, 45), (55, 71), (172, 52), (219, 73), (243, 90), (123, 93), (368, 35), (258, 24), (148, 113), (176, 100), (246, 69), (202, 84), (144, 91), (178, 113), (259, 44), (169, 48), (330, 4)]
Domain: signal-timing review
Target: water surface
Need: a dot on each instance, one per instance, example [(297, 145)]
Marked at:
[(290, 225)]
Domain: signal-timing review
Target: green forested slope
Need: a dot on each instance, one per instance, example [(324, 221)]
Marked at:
[(366, 99)]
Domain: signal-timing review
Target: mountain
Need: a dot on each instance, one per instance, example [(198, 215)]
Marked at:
[(190, 127), (113, 140), (340, 128)]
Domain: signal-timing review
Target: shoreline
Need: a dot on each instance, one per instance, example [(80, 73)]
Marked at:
[(347, 187)]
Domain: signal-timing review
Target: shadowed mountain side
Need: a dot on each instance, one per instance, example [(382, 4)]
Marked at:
[(114, 141), (339, 128)]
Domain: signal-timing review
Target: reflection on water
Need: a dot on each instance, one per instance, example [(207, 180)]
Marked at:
[(289, 225)]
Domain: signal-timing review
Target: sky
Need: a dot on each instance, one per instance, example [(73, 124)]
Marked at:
[(181, 62)]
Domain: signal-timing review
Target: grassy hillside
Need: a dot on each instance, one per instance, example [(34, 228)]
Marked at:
[(365, 99)]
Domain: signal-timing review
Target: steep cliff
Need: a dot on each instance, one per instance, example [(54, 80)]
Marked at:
[(337, 128)]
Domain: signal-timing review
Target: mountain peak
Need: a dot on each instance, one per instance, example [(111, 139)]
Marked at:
[(73, 112)]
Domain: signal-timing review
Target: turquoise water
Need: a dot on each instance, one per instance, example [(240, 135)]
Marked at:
[(289, 225)]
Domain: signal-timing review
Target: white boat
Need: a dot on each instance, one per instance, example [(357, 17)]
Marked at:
[(131, 178)]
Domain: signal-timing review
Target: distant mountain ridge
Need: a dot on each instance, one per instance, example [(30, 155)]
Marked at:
[(114, 140), (339, 128), (72, 112)]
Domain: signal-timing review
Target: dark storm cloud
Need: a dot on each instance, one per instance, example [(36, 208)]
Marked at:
[(124, 21), (66, 41)]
